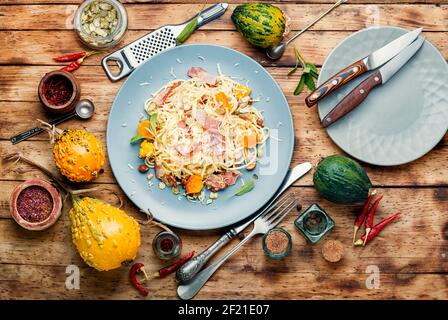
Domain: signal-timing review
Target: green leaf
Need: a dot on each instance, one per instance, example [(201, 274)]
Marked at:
[(300, 85), (309, 81), (314, 74), (136, 138), (245, 188), (153, 123), (312, 67), (307, 69)]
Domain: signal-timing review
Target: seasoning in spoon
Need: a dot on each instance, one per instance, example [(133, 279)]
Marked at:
[(333, 250), (34, 204), (277, 243)]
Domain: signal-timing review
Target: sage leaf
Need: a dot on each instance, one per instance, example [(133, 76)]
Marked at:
[(136, 138), (245, 188), (309, 81), (300, 85)]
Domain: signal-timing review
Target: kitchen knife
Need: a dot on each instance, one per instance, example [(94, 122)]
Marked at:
[(372, 61), (379, 77)]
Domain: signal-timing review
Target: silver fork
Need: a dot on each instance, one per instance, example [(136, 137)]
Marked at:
[(263, 224)]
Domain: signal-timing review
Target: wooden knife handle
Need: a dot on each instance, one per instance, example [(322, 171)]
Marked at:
[(353, 99), (338, 80)]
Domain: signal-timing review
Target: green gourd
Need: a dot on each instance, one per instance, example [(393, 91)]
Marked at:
[(262, 24), (341, 180)]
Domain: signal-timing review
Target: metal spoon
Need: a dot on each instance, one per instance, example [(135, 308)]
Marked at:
[(277, 51), (83, 110)]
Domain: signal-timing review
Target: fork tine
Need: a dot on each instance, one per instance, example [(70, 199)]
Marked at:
[(279, 217), (276, 206)]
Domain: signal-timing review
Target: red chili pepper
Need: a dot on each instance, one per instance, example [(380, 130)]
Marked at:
[(371, 215), (71, 57), (362, 216), (376, 229), (173, 268), (136, 268), (74, 65), (77, 63)]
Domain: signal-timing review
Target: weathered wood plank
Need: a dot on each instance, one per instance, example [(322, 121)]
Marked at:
[(355, 17), (427, 171), (48, 282), (277, 2), (405, 233), (314, 45), (405, 252)]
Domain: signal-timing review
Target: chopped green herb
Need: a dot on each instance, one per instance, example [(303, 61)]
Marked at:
[(136, 138), (153, 123), (245, 188)]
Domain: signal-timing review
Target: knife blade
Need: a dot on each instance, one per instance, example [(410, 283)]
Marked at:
[(189, 269), (372, 61), (379, 77)]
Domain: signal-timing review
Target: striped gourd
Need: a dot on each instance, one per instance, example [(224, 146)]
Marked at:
[(262, 24)]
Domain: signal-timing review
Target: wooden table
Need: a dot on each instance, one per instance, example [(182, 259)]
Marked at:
[(412, 254)]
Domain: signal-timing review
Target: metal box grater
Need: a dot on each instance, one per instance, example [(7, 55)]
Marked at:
[(131, 56)]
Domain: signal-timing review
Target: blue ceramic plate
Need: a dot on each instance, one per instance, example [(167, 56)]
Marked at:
[(167, 207), (400, 121)]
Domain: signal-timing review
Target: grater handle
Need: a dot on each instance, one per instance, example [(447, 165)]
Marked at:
[(122, 63), (212, 13)]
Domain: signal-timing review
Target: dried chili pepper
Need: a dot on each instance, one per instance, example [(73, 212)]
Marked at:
[(139, 267), (136, 268), (376, 229), (371, 215), (77, 63), (71, 57), (74, 65), (362, 216), (173, 268)]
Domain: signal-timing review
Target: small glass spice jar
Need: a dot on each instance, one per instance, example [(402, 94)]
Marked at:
[(167, 245), (277, 243), (101, 24), (314, 223)]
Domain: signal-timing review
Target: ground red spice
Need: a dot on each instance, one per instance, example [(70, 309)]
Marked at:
[(276, 242), (166, 245), (34, 204), (57, 90)]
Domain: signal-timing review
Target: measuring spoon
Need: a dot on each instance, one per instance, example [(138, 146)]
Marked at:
[(84, 110)]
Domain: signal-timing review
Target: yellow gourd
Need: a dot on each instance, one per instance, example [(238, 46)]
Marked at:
[(104, 236), (78, 155)]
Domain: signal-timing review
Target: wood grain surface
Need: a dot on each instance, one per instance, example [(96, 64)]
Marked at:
[(411, 254)]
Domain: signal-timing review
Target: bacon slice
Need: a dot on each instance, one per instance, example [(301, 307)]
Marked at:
[(207, 122), (168, 179), (161, 97), (198, 72), (220, 181)]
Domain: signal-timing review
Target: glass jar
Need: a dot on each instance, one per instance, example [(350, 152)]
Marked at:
[(87, 30), (277, 243), (314, 223), (167, 245)]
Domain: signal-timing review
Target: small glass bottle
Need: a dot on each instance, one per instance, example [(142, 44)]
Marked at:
[(314, 223), (86, 29), (277, 243), (167, 245)]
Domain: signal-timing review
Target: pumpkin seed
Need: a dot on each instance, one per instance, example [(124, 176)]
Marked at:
[(99, 18)]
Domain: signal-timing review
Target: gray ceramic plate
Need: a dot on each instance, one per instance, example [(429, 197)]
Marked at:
[(399, 121), (128, 108)]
